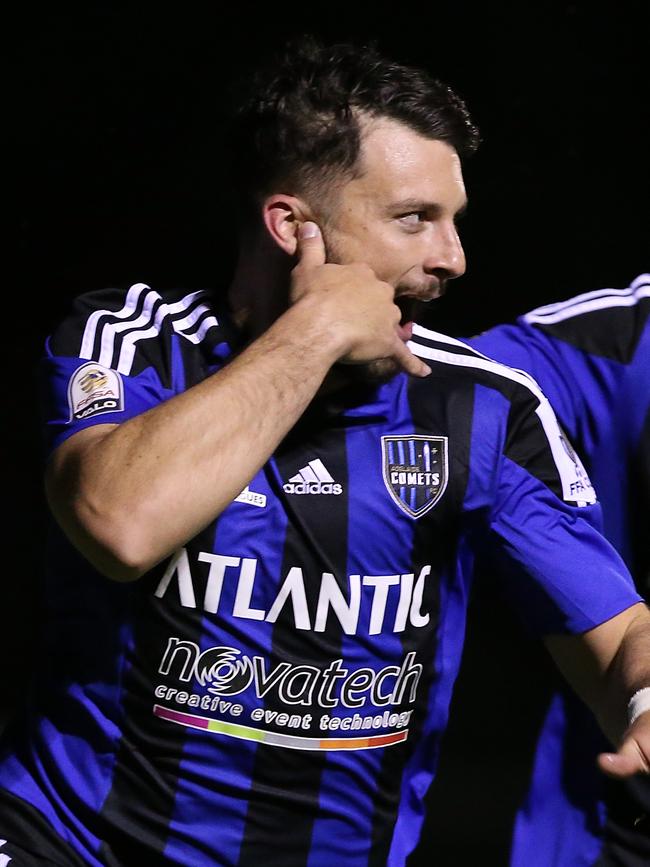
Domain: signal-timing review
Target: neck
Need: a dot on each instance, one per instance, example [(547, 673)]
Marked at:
[(259, 291)]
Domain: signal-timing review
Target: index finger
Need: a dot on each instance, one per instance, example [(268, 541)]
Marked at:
[(409, 362)]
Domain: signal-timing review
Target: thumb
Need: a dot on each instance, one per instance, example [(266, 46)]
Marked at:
[(310, 248), (630, 759)]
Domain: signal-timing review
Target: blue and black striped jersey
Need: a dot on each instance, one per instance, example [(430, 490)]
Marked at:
[(276, 691), (591, 357)]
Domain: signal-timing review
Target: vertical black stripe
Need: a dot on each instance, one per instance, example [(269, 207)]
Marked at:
[(134, 820), (285, 783), (437, 409)]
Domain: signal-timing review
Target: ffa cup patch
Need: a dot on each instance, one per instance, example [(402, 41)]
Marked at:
[(94, 389), (577, 487), (415, 471)]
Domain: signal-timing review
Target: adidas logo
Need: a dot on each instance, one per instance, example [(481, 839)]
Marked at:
[(312, 479)]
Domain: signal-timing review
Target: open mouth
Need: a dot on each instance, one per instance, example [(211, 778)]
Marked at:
[(409, 308)]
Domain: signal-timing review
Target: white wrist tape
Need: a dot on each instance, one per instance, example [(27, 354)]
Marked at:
[(638, 704)]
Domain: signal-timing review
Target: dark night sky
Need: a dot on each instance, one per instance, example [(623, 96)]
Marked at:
[(115, 118), (118, 134)]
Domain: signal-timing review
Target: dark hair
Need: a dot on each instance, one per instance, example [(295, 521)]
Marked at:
[(296, 121)]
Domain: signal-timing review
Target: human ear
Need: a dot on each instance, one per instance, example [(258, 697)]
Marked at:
[(283, 215)]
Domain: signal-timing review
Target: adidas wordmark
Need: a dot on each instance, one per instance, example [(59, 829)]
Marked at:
[(313, 479)]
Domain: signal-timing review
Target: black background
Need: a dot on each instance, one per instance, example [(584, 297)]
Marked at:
[(114, 118)]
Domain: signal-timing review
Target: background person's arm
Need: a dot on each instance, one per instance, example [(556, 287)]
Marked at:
[(129, 495), (606, 666), (568, 582)]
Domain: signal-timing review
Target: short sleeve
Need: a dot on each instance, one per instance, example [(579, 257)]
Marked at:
[(110, 359), (561, 573)]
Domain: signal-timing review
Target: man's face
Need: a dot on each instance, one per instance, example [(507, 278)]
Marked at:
[(398, 216)]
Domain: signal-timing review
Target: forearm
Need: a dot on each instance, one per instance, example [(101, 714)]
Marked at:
[(607, 665), (159, 478), (131, 495), (628, 672)]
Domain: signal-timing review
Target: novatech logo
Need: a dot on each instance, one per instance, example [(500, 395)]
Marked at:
[(228, 672), (312, 479), (224, 670)]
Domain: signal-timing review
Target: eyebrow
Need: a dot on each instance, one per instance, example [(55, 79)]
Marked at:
[(429, 207)]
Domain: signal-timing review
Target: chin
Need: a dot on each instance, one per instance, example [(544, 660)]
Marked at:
[(372, 373)]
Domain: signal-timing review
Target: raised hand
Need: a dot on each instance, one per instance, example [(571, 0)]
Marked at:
[(352, 303)]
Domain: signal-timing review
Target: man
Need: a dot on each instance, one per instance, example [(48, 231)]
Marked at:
[(591, 357), (290, 519)]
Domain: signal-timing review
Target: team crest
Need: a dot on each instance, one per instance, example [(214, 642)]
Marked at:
[(415, 471)]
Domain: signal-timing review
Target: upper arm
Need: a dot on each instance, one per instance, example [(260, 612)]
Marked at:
[(102, 366), (591, 653), (64, 468), (69, 472), (607, 664)]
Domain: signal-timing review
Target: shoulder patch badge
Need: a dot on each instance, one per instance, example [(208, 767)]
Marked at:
[(94, 389), (576, 484), (415, 471)]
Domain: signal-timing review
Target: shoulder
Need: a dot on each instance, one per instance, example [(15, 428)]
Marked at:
[(118, 327), (507, 411), (609, 323), (455, 359)]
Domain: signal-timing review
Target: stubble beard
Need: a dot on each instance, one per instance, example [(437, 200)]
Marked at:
[(377, 372)]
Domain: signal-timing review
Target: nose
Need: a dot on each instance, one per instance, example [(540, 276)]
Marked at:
[(445, 253)]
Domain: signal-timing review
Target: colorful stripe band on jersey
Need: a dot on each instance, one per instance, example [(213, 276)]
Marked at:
[(273, 738)]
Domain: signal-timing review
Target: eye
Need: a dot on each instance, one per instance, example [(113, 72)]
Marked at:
[(413, 219)]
